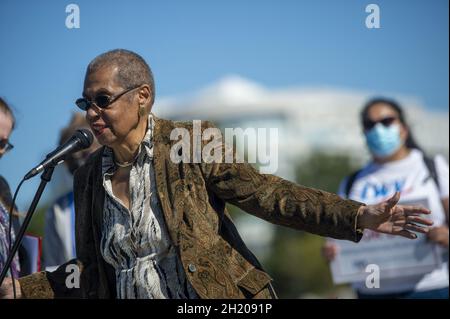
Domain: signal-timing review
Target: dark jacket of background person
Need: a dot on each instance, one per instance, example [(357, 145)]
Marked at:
[(59, 236), (193, 196)]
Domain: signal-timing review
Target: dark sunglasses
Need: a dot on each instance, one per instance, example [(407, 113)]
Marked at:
[(387, 121), (102, 100), (5, 145)]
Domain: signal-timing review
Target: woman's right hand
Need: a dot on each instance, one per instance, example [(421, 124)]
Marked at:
[(330, 251), (6, 290)]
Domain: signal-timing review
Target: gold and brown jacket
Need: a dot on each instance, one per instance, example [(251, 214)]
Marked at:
[(193, 196)]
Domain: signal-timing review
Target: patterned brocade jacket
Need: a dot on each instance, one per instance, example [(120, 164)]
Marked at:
[(192, 197)]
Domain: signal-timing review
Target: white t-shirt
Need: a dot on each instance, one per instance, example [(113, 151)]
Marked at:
[(377, 182)]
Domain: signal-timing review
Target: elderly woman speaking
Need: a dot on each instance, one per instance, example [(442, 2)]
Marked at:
[(149, 227)]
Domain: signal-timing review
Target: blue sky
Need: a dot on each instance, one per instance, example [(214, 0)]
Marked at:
[(190, 44)]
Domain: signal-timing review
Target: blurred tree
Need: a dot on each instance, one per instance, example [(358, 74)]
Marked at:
[(324, 171), (36, 226), (296, 263)]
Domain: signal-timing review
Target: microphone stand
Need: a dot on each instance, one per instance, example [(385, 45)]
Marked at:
[(45, 178)]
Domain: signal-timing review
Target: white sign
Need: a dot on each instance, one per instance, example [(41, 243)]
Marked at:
[(396, 256)]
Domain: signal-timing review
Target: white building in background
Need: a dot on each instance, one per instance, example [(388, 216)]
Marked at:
[(308, 119)]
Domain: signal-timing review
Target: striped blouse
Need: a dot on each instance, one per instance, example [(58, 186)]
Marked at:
[(136, 242)]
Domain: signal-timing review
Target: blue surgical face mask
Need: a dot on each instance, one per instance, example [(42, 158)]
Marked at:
[(384, 141)]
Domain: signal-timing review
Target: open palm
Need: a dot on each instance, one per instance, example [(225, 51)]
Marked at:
[(390, 218)]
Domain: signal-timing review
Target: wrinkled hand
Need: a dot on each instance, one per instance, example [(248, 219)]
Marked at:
[(439, 235), (390, 218), (6, 290)]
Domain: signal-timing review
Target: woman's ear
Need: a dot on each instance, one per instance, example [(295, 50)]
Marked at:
[(145, 95)]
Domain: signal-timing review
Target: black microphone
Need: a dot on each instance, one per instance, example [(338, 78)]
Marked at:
[(81, 139)]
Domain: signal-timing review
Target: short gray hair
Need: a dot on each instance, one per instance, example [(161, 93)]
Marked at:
[(132, 68)]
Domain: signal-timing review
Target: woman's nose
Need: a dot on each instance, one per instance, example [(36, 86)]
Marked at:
[(92, 112)]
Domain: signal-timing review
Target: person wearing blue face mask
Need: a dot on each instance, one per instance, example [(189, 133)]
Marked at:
[(384, 137), (399, 164)]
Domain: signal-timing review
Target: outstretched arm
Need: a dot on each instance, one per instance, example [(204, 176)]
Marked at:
[(285, 203)]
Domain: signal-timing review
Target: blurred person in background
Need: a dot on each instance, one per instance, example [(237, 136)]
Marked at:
[(399, 165), (7, 123), (59, 231)]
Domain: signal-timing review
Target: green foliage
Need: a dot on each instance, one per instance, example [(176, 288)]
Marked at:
[(296, 262), (36, 226), (324, 171), (297, 266)]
